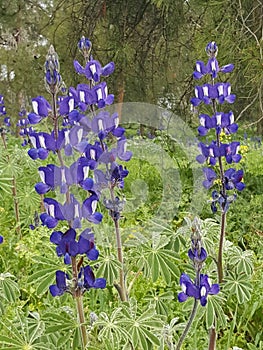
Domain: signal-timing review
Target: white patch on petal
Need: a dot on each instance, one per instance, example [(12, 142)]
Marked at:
[(71, 104), (100, 124), (85, 172), (211, 152), (116, 122), (76, 211), (82, 96), (99, 94), (92, 68), (220, 90), (42, 175), (66, 135), (209, 282), (63, 176), (183, 287), (106, 91), (80, 134), (42, 141), (218, 119), (198, 67), (93, 206), (231, 118), (213, 65), (205, 90), (35, 106), (33, 141), (51, 210), (92, 154), (203, 291), (125, 147), (196, 93), (229, 90), (202, 121)]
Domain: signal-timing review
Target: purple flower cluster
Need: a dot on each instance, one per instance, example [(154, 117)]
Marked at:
[(217, 154), (202, 286), (5, 122), (75, 132)]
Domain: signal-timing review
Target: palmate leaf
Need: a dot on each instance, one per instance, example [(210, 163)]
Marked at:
[(65, 327), (45, 273), (9, 289), (23, 333), (143, 327), (214, 311), (111, 332), (155, 260), (241, 260), (161, 301), (238, 285), (109, 267)]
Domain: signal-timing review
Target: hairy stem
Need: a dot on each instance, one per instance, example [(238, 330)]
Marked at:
[(122, 290), (192, 315), (220, 250), (212, 339), (188, 325), (79, 302)]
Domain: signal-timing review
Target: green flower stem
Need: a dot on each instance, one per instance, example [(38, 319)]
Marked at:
[(79, 302), (188, 325), (122, 287), (192, 316), (220, 250)]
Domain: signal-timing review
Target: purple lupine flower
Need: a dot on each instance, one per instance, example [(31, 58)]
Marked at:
[(200, 70), (88, 209), (121, 150), (41, 108), (223, 201), (189, 289), (209, 153), (224, 93), (206, 288), (93, 70), (118, 173), (84, 43), (1, 239), (206, 123), (87, 280), (61, 286), (210, 176), (101, 96), (198, 255), (225, 122), (87, 246), (52, 77), (66, 243), (233, 179), (230, 151), (211, 49), (199, 291), (115, 207)]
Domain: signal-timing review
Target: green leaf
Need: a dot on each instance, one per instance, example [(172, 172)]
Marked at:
[(9, 289), (238, 285), (210, 314)]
